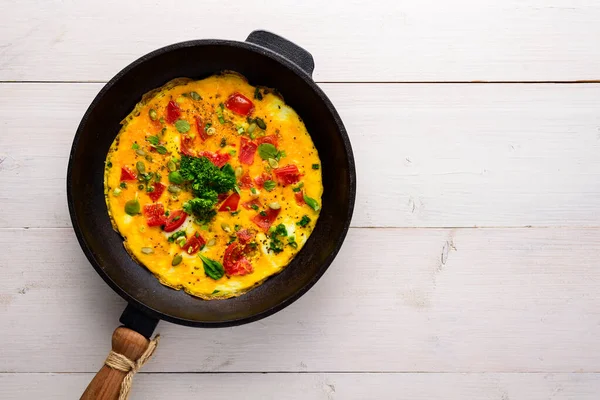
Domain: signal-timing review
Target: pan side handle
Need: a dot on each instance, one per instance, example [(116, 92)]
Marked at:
[(130, 350), (284, 48)]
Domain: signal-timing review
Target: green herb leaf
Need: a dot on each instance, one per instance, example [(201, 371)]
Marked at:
[(269, 185), (153, 140), (176, 178), (176, 236), (182, 126), (123, 185), (316, 166), (135, 146), (254, 207), (212, 268), (132, 207), (312, 203), (161, 149), (195, 96), (267, 150)]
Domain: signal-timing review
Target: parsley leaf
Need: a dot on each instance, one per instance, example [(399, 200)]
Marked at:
[(275, 243)]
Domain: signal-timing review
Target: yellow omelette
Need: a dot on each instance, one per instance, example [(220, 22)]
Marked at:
[(214, 185)]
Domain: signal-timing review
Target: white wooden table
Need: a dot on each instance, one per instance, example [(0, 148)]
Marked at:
[(471, 269)]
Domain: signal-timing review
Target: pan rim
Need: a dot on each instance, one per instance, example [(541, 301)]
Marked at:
[(324, 265)]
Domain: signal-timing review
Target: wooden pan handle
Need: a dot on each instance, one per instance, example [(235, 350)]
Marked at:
[(106, 385)]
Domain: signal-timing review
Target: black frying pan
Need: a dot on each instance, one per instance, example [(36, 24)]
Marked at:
[(267, 60)]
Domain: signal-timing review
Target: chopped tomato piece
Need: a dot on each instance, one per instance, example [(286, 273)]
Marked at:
[(245, 236), (127, 175), (155, 214), (260, 180), (200, 127), (231, 204), (194, 243), (287, 175), (173, 112), (235, 261), (300, 198), (265, 219), (245, 181), (239, 104), (247, 151), (252, 204), (219, 159), (159, 188), (175, 220), (267, 139), (221, 197), (187, 145)]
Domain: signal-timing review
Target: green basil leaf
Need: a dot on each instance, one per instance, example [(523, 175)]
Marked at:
[(213, 269), (312, 203), (269, 185), (267, 150), (182, 126)]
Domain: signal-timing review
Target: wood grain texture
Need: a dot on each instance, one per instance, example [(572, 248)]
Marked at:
[(427, 155), (394, 300), (428, 40), (320, 386)]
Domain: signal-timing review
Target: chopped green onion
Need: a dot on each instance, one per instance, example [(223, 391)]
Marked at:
[(253, 190), (257, 94), (117, 192), (316, 166), (123, 185), (312, 203), (254, 207), (304, 221)]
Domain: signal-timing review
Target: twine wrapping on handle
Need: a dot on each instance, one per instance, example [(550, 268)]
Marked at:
[(121, 363)]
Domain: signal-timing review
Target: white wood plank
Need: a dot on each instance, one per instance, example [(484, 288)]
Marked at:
[(427, 155), (318, 386), (409, 40), (408, 300)]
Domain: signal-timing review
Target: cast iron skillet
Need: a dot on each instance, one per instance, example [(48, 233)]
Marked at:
[(265, 59)]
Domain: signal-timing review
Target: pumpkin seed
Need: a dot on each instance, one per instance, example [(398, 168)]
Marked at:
[(177, 260)]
